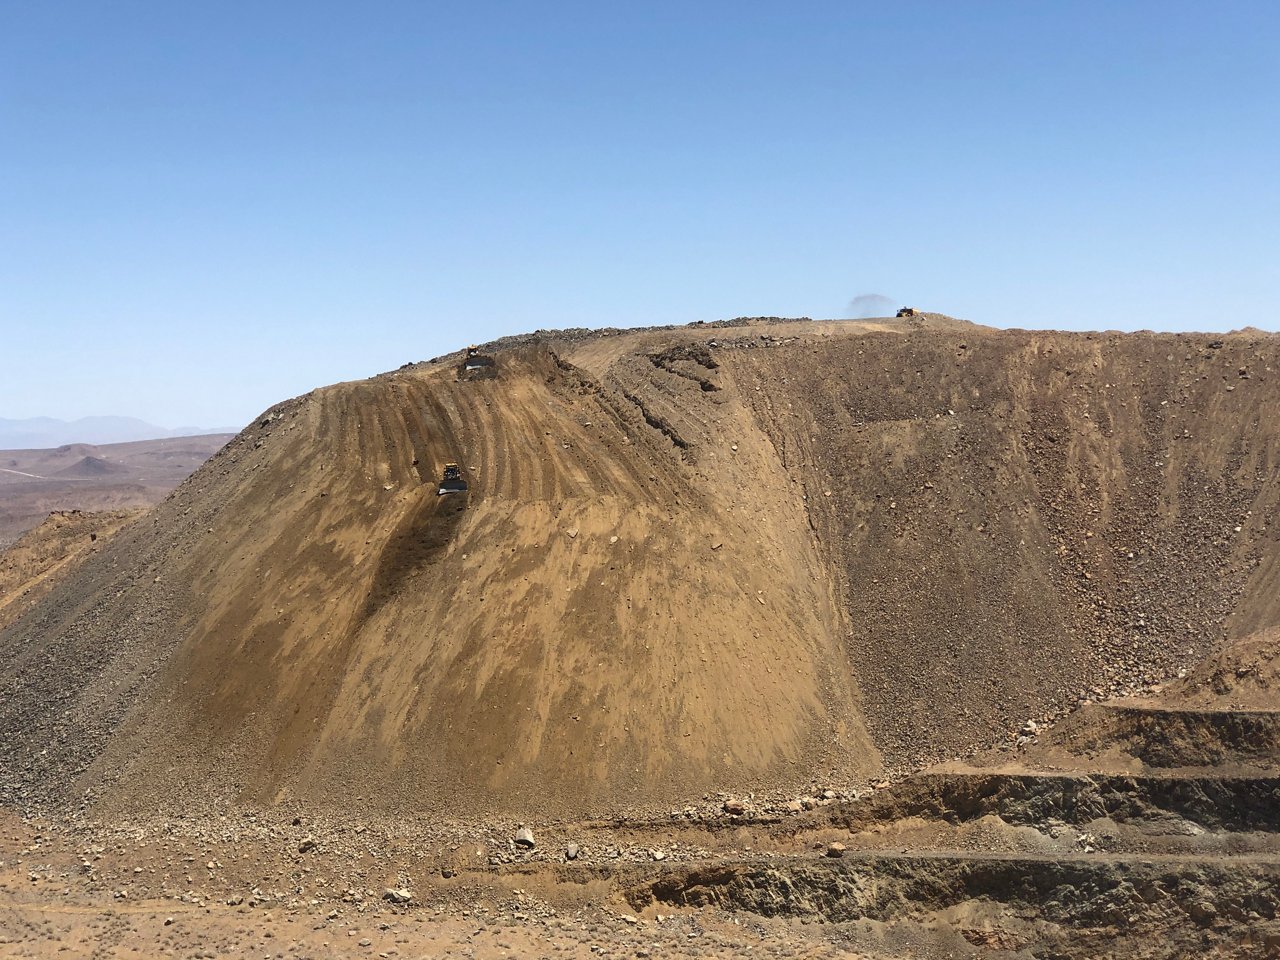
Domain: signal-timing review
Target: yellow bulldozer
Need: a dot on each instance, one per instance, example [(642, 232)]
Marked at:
[(452, 481)]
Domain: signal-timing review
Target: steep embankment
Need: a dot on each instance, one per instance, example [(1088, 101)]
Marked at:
[(1022, 520), (690, 560), (591, 627)]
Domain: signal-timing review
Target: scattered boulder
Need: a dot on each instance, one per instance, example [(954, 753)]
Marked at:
[(571, 852), (1203, 912), (835, 850), (524, 838), (397, 895), (735, 808)]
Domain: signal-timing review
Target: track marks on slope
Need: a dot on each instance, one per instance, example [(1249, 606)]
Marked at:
[(540, 432)]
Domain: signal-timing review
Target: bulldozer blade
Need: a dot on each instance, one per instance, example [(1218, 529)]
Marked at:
[(452, 486)]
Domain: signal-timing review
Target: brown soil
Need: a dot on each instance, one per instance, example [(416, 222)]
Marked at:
[(713, 558), (119, 896), (1242, 676), (699, 577), (1021, 521), (50, 553)]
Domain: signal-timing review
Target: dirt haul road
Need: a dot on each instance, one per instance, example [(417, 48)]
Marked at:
[(717, 558)]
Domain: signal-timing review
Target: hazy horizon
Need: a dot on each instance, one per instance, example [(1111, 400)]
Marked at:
[(210, 209), (42, 433)]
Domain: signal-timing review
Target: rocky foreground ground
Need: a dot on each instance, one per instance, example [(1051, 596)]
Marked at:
[(108, 893), (1134, 828)]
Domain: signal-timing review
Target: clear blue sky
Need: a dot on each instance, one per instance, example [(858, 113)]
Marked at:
[(207, 207)]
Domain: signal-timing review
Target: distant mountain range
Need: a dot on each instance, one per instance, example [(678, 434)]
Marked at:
[(40, 432)]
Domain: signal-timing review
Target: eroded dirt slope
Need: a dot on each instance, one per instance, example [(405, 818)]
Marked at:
[(1019, 521), (50, 553), (590, 626), (727, 557)]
